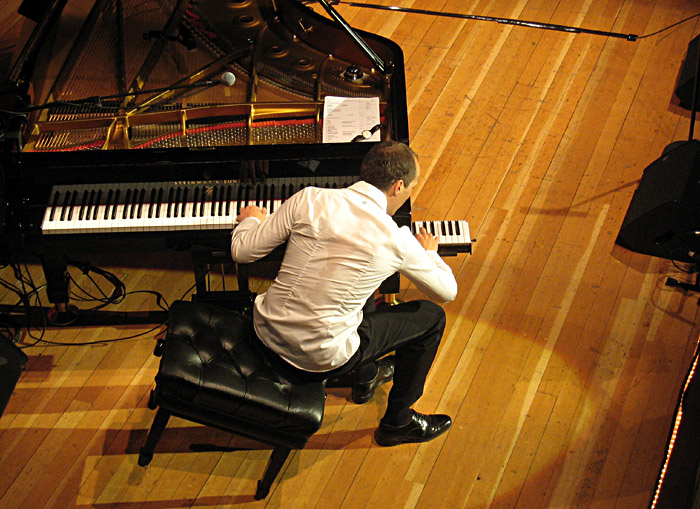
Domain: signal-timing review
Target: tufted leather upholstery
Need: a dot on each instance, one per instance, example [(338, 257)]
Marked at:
[(213, 372)]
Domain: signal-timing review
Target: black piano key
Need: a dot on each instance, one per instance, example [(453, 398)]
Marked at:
[(108, 208), (242, 196), (273, 197), (159, 201), (90, 204), (134, 206), (215, 200), (258, 196), (98, 202), (195, 202), (229, 197), (176, 202), (142, 199), (183, 204), (66, 204), (83, 205), (203, 201), (171, 202), (117, 195), (207, 193), (73, 201), (151, 204), (54, 204), (127, 203)]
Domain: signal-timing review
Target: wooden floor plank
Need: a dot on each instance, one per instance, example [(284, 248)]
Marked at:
[(563, 353)]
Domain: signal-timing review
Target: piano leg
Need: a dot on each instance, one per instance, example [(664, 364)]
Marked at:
[(58, 290), (57, 281), (390, 285)]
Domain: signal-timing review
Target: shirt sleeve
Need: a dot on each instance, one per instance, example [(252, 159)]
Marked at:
[(427, 270), (252, 239)]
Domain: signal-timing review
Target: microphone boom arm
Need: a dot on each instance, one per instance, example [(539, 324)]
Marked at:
[(506, 21)]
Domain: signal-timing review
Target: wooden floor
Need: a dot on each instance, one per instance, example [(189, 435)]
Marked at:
[(564, 353)]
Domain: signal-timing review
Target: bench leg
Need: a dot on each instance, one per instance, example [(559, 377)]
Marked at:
[(279, 456), (157, 428)]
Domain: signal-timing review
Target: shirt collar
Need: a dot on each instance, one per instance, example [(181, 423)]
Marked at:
[(373, 193)]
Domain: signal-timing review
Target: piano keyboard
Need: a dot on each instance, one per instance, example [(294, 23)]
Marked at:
[(454, 235), (163, 206)]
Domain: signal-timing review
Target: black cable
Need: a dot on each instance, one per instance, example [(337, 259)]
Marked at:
[(28, 292), (100, 341), (668, 27)]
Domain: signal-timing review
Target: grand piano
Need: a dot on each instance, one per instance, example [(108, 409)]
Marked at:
[(152, 123)]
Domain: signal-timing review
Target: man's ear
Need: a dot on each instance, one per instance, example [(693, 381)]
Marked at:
[(397, 187)]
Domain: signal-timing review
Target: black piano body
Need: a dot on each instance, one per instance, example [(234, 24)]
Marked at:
[(286, 59)]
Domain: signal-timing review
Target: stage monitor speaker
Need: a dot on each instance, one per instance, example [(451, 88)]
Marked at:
[(12, 362), (686, 79), (664, 214)]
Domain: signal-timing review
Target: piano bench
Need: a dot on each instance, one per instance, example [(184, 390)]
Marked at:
[(213, 373)]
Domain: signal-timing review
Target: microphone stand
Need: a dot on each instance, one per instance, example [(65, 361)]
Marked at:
[(97, 100), (693, 287)]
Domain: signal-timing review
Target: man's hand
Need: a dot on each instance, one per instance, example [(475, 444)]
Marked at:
[(252, 211), (428, 240)]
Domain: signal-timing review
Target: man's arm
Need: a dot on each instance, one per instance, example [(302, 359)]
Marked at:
[(257, 234), (427, 270)]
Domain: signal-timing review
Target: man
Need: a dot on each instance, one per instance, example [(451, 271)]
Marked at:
[(341, 245)]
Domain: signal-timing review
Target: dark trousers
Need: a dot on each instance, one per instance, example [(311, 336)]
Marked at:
[(412, 330)]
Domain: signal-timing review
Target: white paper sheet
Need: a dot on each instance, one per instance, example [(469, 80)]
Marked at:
[(345, 118)]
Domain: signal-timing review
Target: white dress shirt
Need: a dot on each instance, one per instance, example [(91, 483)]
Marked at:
[(341, 245)]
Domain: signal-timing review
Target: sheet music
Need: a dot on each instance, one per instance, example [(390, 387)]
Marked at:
[(346, 118)]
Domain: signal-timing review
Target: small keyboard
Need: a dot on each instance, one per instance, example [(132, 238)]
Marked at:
[(454, 235)]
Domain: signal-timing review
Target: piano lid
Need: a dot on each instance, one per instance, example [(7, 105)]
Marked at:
[(138, 74)]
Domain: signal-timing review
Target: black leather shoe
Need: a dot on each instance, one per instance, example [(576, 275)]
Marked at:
[(421, 429), (364, 391)]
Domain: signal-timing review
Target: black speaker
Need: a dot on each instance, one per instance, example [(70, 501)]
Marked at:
[(12, 362), (686, 79), (664, 215)]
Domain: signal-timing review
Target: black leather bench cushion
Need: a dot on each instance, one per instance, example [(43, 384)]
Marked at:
[(210, 360)]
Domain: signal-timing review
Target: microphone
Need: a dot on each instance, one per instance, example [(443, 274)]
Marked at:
[(227, 79)]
